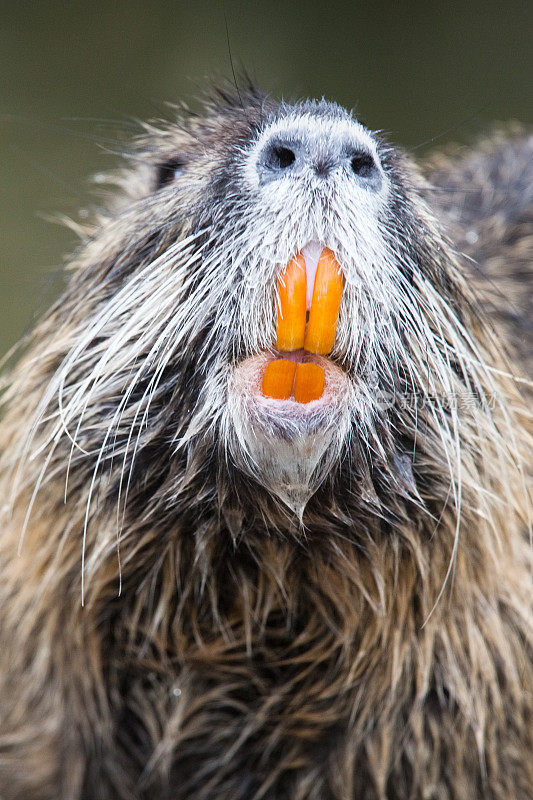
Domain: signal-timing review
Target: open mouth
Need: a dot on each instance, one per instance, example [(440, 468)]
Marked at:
[(290, 406), (309, 297)]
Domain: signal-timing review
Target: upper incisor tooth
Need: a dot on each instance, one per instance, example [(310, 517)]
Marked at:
[(290, 332), (324, 313), (311, 253)]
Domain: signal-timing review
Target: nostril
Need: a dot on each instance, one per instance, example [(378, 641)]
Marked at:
[(363, 165), (279, 157)]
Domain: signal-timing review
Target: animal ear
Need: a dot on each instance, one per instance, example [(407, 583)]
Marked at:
[(168, 171)]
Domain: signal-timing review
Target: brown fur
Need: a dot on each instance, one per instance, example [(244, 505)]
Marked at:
[(266, 664)]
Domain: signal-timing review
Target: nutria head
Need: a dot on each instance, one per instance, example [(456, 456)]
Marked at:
[(268, 421), (152, 402)]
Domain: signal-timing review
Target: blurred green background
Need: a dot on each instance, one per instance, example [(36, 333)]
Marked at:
[(75, 74)]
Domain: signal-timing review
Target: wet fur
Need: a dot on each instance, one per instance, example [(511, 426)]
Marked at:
[(374, 643)]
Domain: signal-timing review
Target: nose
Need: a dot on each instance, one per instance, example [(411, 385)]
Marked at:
[(287, 155)]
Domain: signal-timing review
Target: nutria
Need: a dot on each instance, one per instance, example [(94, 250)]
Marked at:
[(209, 591)]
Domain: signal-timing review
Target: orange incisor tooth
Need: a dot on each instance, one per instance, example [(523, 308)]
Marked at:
[(292, 288), (278, 379), (308, 382), (324, 313)]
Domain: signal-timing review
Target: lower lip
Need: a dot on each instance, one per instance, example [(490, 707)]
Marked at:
[(248, 378)]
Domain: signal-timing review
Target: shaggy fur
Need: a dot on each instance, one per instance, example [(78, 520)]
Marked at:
[(486, 196), (172, 623)]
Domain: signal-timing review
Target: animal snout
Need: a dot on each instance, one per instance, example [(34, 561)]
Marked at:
[(286, 155)]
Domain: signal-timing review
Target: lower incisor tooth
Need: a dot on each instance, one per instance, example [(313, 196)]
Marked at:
[(309, 383), (278, 379)]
